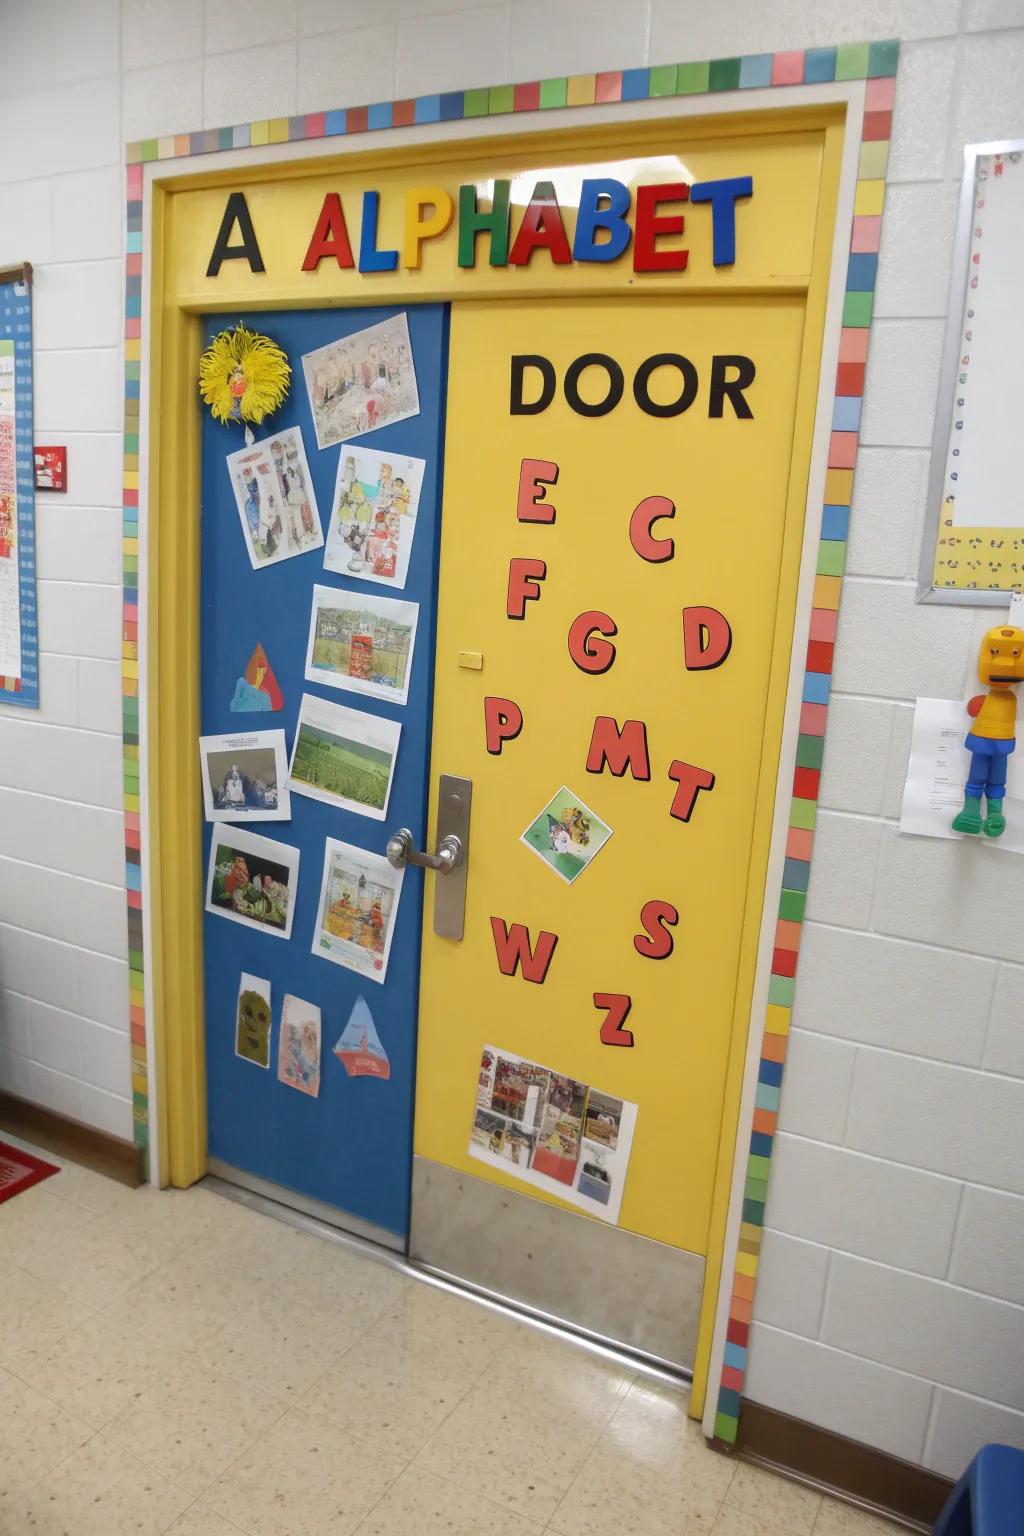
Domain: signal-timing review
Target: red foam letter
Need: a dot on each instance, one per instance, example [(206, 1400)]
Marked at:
[(523, 576), (330, 238), (646, 546), (513, 948), (542, 228), (691, 781), (618, 1006), (707, 638), (534, 475), (650, 224), (592, 655), (503, 720), (619, 749), (656, 943)]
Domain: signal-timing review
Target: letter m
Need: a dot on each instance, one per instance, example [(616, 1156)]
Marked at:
[(620, 749), (513, 948)]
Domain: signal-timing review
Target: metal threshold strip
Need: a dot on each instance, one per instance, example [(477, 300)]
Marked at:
[(251, 1194)]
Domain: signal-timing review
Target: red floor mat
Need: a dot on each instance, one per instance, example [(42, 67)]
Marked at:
[(20, 1170)]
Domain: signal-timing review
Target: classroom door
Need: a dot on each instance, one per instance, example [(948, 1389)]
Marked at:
[(617, 486), (349, 1147)]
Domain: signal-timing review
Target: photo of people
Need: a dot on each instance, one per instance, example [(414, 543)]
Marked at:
[(362, 382), (560, 1134), (252, 880), (567, 834), (358, 908), (344, 757), (298, 1046), (361, 643), (373, 517), (245, 777), (275, 498)]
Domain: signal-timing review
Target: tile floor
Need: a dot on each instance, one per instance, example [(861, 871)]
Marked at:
[(173, 1362)]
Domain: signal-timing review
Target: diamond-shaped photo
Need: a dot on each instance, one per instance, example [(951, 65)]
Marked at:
[(567, 834)]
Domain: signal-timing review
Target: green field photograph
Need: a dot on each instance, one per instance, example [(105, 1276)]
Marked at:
[(344, 757)]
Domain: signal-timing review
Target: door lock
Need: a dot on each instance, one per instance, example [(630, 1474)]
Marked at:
[(450, 859)]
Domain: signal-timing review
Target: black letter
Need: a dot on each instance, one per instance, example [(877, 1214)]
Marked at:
[(236, 212), (516, 404), (572, 380), (721, 386), (689, 391)]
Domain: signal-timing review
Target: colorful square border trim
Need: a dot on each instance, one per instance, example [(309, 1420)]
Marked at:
[(16, 327), (875, 63)]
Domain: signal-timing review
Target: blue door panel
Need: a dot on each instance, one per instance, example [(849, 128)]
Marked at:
[(352, 1146)]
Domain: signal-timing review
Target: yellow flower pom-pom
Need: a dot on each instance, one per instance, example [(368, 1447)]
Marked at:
[(243, 376)]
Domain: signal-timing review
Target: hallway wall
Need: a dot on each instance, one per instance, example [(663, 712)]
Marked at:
[(891, 1299)]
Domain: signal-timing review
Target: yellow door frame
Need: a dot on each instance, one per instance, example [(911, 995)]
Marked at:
[(169, 482)]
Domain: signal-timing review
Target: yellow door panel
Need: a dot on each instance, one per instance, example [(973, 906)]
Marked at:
[(724, 477)]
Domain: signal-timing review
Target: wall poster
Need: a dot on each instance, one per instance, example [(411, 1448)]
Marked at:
[(978, 551), (19, 656)]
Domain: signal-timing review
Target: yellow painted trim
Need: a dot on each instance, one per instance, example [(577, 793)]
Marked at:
[(803, 433), (173, 684)]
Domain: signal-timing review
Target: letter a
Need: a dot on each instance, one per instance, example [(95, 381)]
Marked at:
[(236, 211)]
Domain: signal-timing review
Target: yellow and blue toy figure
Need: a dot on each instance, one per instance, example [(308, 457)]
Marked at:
[(991, 739)]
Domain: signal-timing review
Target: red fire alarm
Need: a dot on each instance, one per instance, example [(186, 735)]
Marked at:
[(51, 469)]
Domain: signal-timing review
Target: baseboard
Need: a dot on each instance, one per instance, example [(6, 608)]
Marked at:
[(45, 1128), (870, 1478)]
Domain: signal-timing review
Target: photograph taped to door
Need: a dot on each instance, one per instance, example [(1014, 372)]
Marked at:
[(362, 382), (276, 502), (361, 643), (245, 777), (298, 1046), (252, 880), (373, 517), (344, 757), (253, 1020), (553, 1132), (567, 834), (358, 909)]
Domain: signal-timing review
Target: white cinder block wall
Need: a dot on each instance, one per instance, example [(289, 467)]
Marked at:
[(891, 1299)]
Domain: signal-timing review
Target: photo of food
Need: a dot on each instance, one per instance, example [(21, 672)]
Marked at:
[(252, 880)]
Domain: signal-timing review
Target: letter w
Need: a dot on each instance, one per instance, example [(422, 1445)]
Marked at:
[(513, 948)]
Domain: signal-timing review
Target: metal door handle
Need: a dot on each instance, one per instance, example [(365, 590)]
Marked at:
[(451, 859), (401, 852)]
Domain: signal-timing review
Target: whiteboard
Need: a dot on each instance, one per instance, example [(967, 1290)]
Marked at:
[(977, 500)]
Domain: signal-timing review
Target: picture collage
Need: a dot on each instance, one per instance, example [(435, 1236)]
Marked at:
[(552, 1132), (359, 643)]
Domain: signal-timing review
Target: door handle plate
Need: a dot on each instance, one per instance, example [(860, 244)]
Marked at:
[(455, 797), (454, 801)]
